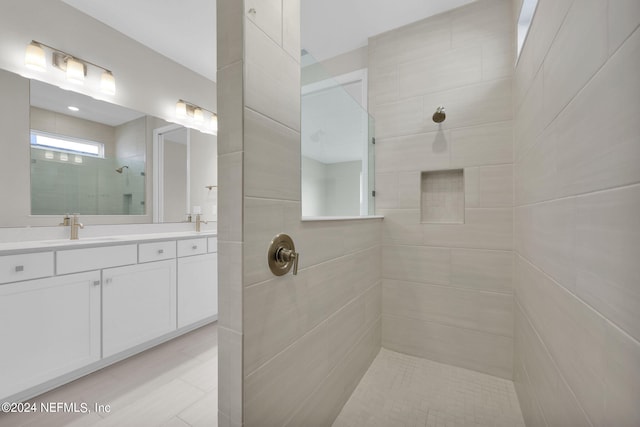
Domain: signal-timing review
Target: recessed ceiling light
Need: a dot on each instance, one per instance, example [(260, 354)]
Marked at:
[(72, 108)]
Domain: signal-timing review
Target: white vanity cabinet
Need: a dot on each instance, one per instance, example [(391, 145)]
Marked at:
[(49, 327), (138, 304), (69, 310), (197, 288)]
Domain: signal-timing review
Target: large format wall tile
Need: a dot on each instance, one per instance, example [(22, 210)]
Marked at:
[(557, 402), (606, 249), (480, 311), (624, 18), (417, 264), (490, 144), (324, 405), (579, 49), (622, 380), (599, 147), (272, 155), (545, 235), (230, 109), (489, 353), (266, 15), (230, 197), (421, 152), (272, 79), (482, 270), (483, 229), (573, 333), (275, 391), (454, 68)]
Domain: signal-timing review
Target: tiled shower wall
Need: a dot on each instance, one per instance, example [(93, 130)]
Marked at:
[(577, 215), (447, 288), (292, 348)]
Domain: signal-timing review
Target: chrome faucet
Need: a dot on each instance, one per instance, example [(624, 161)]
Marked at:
[(199, 221), (75, 225)]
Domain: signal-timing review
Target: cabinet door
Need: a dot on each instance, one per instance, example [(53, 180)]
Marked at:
[(50, 327), (138, 304), (197, 288)]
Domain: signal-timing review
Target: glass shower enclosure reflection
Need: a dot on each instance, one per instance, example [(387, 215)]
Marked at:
[(337, 144)]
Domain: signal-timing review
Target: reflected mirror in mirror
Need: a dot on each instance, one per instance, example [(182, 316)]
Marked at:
[(185, 174), (87, 156)]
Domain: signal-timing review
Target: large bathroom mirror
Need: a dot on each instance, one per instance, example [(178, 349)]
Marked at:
[(87, 156), (96, 159)]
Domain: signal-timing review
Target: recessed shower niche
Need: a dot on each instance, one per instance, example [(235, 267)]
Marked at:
[(442, 197)]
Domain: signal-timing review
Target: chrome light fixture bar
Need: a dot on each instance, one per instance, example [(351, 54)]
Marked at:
[(76, 68), (200, 116)]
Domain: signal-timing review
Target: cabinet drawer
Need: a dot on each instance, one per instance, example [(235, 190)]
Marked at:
[(77, 260), (212, 244), (14, 268), (156, 251), (192, 247)]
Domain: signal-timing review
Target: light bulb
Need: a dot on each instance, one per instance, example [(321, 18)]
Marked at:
[(214, 123), (34, 57), (75, 71), (198, 116), (108, 83), (181, 109)]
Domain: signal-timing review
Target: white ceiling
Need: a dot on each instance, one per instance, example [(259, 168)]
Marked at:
[(332, 27), (49, 97), (185, 30)]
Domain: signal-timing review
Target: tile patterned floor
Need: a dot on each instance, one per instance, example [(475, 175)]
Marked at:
[(172, 385), (400, 390)]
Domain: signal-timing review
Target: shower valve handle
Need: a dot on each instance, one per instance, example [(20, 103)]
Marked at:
[(287, 255), (282, 255)]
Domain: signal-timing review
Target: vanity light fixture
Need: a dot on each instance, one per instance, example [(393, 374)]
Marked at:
[(76, 71), (34, 57), (181, 109), (204, 119), (74, 67), (108, 83), (198, 116)]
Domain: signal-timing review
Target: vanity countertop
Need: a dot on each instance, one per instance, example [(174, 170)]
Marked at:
[(13, 248)]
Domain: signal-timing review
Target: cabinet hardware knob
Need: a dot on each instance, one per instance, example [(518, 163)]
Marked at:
[(160, 251), (108, 281), (96, 282), (194, 247), (19, 268)]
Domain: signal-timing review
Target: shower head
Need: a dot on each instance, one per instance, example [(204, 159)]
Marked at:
[(119, 170), (439, 115)]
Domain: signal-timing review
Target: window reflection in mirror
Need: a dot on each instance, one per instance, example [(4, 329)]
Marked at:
[(87, 156)]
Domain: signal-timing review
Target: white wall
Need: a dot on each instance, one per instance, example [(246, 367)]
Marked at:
[(330, 189), (314, 195), (342, 187), (577, 215), (175, 181), (203, 172), (447, 288)]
